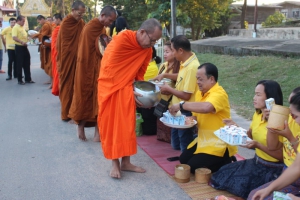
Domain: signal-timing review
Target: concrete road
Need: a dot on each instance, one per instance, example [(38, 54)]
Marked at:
[(41, 157)]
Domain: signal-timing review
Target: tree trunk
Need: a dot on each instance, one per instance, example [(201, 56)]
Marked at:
[(198, 33), (193, 31), (243, 16), (95, 9)]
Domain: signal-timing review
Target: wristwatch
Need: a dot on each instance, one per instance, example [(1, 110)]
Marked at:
[(181, 105)]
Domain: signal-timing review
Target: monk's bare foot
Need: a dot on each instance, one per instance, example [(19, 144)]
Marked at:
[(115, 171), (96, 135), (47, 83), (81, 134), (50, 86), (132, 168)]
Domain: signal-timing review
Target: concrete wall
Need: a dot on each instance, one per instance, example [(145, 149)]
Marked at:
[(269, 33)]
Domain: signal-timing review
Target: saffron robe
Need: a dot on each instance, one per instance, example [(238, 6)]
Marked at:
[(67, 45), (55, 80), (84, 105), (123, 62), (45, 53)]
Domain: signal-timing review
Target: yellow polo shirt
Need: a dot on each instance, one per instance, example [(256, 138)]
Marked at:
[(7, 33), (151, 72), (289, 155), (186, 80), (207, 142), (259, 134), (19, 32)]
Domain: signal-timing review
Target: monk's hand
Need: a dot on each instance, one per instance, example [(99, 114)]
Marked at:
[(138, 103), (174, 109), (159, 77)]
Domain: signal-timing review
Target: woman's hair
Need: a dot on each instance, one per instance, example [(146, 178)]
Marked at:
[(121, 24), (113, 25), (296, 90), (176, 63), (295, 101), (155, 57), (272, 90)]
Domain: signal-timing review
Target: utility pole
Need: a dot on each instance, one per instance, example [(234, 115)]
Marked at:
[(173, 18), (255, 16)]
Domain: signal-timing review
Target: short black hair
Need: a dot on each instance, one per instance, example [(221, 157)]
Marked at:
[(296, 90), (295, 101), (121, 24), (181, 41), (272, 90), (20, 18), (210, 70), (108, 10), (77, 4), (57, 16), (155, 57), (12, 19), (39, 17)]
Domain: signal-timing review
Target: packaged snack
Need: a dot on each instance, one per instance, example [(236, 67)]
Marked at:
[(269, 103), (280, 196)]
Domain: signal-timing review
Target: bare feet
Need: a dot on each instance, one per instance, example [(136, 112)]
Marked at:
[(47, 82), (80, 130), (127, 166), (50, 86), (115, 171), (96, 135)]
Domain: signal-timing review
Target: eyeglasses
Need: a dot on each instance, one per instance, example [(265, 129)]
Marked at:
[(151, 41)]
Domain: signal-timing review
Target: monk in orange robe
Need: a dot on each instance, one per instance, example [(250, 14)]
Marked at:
[(84, 107), (125, 60), (67, 45), (55, 79), (45, 52)]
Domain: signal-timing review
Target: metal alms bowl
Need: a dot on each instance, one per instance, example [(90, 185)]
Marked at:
[(151, 93)]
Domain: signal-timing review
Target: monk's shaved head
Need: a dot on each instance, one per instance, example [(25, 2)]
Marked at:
[(77, 4), (150, 25), (108, 11)]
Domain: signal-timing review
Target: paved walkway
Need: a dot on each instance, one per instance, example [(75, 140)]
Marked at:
[(41, 157)]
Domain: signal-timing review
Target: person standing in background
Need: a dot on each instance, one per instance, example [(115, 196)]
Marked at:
[(9, 47), (1, 49), (22, 54)]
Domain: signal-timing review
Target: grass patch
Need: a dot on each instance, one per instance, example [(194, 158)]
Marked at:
[(239, 75)]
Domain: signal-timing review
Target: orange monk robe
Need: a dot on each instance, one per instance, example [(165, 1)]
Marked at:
[(55, 80), (67, 45), (45, 53), (124, 61), (84, 105)]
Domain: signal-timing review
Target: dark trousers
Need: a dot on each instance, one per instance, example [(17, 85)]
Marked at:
[(23, 62), (149, 125), (203, 160), (11, 63)]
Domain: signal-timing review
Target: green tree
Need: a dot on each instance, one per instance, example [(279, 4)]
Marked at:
[(203, 14), (135, 11), (274, 19)]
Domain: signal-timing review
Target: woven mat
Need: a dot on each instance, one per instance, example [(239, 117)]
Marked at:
[(198, 191)]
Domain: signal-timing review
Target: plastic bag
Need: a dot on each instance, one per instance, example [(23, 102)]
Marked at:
[(138, 126)]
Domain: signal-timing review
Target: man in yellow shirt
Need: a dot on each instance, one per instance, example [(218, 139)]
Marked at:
[(9, 47), (186, 87), (1, 50), (19, 35), (210, 108)]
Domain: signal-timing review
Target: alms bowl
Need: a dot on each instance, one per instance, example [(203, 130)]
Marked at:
[(151, 93)]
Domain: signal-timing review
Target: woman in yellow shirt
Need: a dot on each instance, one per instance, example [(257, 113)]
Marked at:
[(290, 142), (168, 69), (240, 178)]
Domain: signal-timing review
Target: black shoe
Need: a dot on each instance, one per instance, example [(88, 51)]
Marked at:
[(21, 83), (29, 82), (8, 78)]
